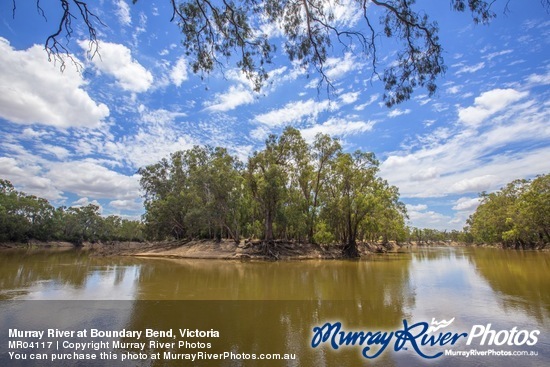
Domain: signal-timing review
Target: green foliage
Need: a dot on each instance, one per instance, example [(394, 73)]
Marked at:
[(289, 190), (516, 216), (196, 193), (277, 176), (24, 217), (323, 235), (216, 33), (429, 235)]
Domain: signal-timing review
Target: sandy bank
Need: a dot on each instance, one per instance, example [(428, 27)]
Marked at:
[(225, 249), (228, 249)]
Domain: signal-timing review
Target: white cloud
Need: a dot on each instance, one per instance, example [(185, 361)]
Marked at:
[(126, 204), (55, 150), (439, 107), (423, 218), (116, 60), (471, 68), (337, 127), (465, 160), (454, 89), (488, 104), (397, 112), (371, 100), (89, 179), (418, 207), (292, 112), (233, 98), (33, 90), (337, 67), (428, 123), (466, 204), (349, 97), (475, 184), (539, 79), (29, 133), (85, 202), (313, 83), (346, 12), (123, 12), (27, 178), (399, 161), (496, 54), (178, 74), (160, 116), (260, 133), (158, 135), (282, 75), (425, 174)]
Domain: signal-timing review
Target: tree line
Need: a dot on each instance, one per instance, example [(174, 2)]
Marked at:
[(26, 217), (290, 190), (516, 216)]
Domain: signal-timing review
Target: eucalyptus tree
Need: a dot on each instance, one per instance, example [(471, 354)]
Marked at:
[(325, 149), (217, 190), (268, 175), (350, 196), (195, 193), (12, 225), (493, 216), (389, 220), (536, 209), (514, 216), (309, 31), (527, 212), (23, 216), (166, 197), (84, 224), (299, 168)]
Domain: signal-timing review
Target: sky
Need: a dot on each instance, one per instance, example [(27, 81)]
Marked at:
[(79, 137)]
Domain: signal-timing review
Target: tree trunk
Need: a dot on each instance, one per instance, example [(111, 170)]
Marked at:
[(310, 231), (268, 226), (234, 235), (350, 249), (547, 234)]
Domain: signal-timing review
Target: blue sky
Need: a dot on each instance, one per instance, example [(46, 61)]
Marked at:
[(77, 138)]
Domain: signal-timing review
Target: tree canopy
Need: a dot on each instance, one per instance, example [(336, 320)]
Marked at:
[(290, 190), (515, 216), (26, 217), (217, 31)]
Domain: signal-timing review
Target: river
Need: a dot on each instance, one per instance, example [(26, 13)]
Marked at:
[(261, 307)]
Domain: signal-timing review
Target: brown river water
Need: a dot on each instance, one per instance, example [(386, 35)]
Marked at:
[(247, 309)]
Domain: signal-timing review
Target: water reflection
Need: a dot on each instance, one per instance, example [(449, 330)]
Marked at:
[(521, 278), (65, 274), (263, 307), (294, 296), (292, 280)]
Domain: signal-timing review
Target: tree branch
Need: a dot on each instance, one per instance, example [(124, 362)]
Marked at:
[(215, 29), (57, 50)]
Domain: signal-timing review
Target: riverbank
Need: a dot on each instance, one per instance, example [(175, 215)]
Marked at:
[(208, 249)]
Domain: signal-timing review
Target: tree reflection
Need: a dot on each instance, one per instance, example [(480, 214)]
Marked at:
[(522, 275), (265, 307)]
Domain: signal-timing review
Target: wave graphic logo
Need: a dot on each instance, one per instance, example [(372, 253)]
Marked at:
[(373, 343), (435, 325)]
